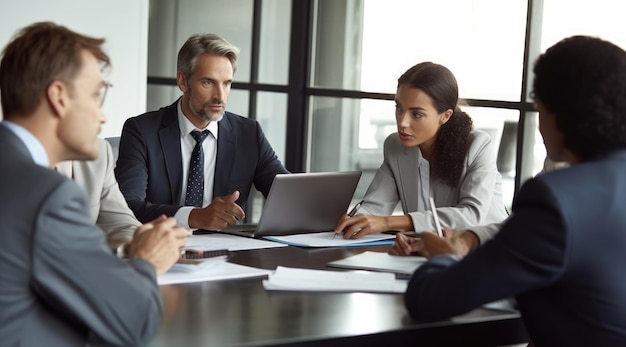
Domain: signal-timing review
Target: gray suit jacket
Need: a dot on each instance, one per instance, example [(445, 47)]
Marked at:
[(477, 200), (107, 205), (58, 279)]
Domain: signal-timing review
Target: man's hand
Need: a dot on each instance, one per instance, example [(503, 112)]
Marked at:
[(455, 242), (221, 213), (406, 245), (158, 242)]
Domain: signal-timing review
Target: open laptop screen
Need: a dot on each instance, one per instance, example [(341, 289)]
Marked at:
[(303, 203)]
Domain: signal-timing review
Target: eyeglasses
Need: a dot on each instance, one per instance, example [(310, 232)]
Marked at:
[(103, 92)]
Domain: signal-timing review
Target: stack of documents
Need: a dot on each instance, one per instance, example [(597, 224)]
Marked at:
[(378, 261), (326, 239), (213, 269), (292, 279), (211, 242)]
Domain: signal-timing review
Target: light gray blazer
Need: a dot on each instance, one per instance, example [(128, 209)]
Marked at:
[(58, 279), (477, 200), (107, 206)]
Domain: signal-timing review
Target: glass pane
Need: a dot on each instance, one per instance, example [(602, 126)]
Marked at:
[(334, 145), (272, 115), (601, 18), (172, 22), (501, 125), (160, 96), (238, 101), (367, 45), (274, 45), (334, 134), (535, 149)]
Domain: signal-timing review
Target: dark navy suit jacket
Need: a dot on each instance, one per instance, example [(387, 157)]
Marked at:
[(561, 254), (149, 168)]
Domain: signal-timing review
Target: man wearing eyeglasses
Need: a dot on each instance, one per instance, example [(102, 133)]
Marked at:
[(59, 282)]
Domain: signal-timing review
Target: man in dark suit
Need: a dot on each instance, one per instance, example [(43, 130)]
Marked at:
[(562, 251), (59, 281), (158, 150)]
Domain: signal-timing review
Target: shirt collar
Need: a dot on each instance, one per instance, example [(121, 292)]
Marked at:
[(187, 127), (34, 146)]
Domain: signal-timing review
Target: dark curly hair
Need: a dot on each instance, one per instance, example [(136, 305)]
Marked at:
[(582, 80), (453, 138)]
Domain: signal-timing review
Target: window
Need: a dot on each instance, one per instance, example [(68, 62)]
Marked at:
[(366, 45), (353, 51)]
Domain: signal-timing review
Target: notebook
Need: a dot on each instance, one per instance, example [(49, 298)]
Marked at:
[(302, 203), (378, 261)]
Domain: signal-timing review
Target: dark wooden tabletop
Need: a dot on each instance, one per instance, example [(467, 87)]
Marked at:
[(242, 313)]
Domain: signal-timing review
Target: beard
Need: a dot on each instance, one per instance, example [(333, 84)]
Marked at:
[(203, 111)]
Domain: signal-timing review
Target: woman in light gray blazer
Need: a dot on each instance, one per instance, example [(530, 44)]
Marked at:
[(435, 153)]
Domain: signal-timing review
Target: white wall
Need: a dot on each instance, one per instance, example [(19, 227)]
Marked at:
[(124, 25)]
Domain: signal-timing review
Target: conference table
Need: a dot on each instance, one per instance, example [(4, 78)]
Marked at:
[(242, 313)]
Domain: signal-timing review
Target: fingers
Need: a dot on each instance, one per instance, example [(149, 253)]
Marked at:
[(236, 212), (158, 219), (144, 227), (228, 198), (230, 216), (404, 243), (435, 245), (449, 233), (180, 232), (357, 227), (222, 213), (401, 246), (232, 197), (429, 237), (151, 224), (180, 236), (341, 224)]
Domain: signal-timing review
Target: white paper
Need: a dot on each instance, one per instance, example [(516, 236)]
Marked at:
[(293, 279), (379, 261), (325, 239), (211, 242), (209, 271)]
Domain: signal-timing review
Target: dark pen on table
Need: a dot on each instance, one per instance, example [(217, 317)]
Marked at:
[(352, 212)]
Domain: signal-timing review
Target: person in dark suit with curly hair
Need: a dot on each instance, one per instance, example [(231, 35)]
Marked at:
[(561, 253), (435, 153)]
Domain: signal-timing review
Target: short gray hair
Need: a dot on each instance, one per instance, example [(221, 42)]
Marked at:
[(199, 44)]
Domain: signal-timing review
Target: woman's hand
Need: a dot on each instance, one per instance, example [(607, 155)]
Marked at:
[(359, 225)]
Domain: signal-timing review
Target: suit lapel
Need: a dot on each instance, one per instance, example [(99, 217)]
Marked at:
[(169, 137), (226, 148), (407, 163)]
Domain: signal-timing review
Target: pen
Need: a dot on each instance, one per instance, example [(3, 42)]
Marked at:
[(433, 209), (352, 212), (355, 209)]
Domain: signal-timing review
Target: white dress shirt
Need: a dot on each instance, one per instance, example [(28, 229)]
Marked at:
[(209, 146)]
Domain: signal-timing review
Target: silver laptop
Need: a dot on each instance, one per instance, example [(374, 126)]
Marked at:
[(302, 203)]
